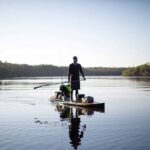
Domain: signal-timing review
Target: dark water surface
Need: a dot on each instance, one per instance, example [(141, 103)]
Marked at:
[(28, 121)]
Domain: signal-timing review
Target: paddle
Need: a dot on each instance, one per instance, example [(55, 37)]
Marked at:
[(55, 84), (49, 84)]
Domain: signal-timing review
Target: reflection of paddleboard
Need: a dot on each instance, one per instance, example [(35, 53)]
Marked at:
[(95, 106)]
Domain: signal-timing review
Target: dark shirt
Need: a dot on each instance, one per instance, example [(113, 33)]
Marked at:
[(74, 71)]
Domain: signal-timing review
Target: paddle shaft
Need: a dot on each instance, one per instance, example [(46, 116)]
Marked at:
[(49, 84), (55, 83)]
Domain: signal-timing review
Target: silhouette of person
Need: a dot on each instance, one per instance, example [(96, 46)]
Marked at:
[(73, 76)]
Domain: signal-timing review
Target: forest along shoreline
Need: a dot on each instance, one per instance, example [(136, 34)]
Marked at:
[(25, 70)]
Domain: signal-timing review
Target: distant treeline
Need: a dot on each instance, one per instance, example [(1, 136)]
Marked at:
[(24, 70), (142, 70)]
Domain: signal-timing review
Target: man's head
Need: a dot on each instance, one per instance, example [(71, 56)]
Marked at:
[(75, 59)]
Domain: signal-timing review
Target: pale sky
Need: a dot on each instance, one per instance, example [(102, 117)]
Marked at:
[(100, 32)]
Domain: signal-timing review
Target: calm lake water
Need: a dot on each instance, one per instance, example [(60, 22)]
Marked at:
[(28, 121)]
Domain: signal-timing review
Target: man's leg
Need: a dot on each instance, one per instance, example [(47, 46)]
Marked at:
[(71, 95), (77, 94)]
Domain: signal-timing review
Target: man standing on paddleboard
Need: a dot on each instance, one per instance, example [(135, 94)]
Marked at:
[(74, 76)]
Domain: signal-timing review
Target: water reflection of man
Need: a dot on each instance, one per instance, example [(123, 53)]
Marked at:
[(75, 134), (74, 130)]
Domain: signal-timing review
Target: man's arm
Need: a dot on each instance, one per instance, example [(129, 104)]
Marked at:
[(81, 71)]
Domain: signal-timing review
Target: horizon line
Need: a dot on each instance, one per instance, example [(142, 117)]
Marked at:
[(68, 65)]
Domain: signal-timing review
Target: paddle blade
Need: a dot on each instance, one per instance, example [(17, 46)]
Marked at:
[(36, 87)]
